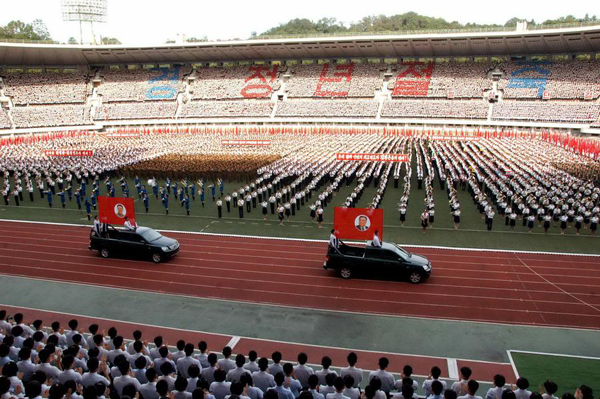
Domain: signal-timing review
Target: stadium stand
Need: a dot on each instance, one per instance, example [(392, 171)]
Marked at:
[(547, 111), (225, 109), (45, 88), (141, 84), (50, 115), (462, 109), (136, 110), (257, 81), (327, 108), (4, 119)]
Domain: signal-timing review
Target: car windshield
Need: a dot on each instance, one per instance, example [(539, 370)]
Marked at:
[(150, 235), (403, 254)]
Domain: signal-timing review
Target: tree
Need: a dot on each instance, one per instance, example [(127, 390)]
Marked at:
[(110, 40), (72, 40), (22, 31), (40, 29), (196, 40)]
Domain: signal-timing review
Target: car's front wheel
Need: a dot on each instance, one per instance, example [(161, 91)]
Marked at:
[(105, 253), (415, 277), (156, 257), (346, 272)]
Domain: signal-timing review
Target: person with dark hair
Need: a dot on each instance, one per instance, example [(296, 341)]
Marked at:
[(220, 388), (283, 392), (73, 324), (137, 337), (567, 395), (550, 389), (46, 358), (197, 393), (450, 394), (251, 366), (522, 392), (290, 382), (140, 369), (508, 394), (129, 391), (271, 394), (495, 392), (460, 387), (4, 354), (386, 378), (164, 353), (233, 375), (226, 363), (302, 370), (17, 332), (437, 388), (96, 373), (25, 366), (276, 366), (58, 332), (202, 356), (407, 392), (181, 385), (194, 377), (328, 387), (93, 330), (27, 331), (167, 370), (584, 392), (4, 324), (57, 391), (305, 395), (162, 389), (33, 390), (138, 347), (407, 371), (148, 390), (184, 363), (338, 384), (158, 343), (208, 373), (370, 391), (125, 379), (68, 373), (117, 343), (434, 375), (325, 363), (90, 393), (10, 371), (313, 387), (237, 391), (349, 390), (352, 370), (251, 391), (472, 387), (262, 379)]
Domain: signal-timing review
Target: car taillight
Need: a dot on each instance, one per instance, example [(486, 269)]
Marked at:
[(327, 259)]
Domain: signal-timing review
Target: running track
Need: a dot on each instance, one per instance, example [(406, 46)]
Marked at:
[(527, 289)]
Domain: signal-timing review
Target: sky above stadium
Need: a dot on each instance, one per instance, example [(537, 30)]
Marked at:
[(148, 22)]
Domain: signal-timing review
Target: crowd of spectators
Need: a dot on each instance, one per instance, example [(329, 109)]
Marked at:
[(327, 108), (141, 84), (459, 109), (136, 110), (73, 363), (258, 81), (547, 111), (5, 122), (46, 88), (50, 115), (227, 109), (335, 80)]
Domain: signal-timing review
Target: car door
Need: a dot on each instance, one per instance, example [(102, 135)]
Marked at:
[(133, 244), (376, 261)]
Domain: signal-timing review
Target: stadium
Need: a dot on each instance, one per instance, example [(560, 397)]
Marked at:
[(477, 150)]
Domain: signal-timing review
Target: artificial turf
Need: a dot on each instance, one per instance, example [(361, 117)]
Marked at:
[(567, 372), (472, 232)]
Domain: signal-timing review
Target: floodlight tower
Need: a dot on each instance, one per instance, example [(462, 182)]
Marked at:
[(84, 11)]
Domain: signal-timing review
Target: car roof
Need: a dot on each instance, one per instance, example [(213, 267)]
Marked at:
[(384, 245)]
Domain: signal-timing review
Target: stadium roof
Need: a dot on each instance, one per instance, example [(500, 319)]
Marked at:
[(503, 43)]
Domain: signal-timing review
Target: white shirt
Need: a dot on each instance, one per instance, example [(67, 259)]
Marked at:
[(376, 242), (129, 226), (356, 373)]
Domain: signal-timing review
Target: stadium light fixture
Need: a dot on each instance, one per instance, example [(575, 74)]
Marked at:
[(84, 11)]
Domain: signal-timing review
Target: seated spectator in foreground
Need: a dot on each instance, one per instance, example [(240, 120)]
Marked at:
[(472, 387)]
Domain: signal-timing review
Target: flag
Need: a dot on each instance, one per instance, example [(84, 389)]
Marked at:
[(358, 223), (112, 210)]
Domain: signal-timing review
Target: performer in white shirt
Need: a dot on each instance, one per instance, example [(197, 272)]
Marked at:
[(376, 242), (128, 225)]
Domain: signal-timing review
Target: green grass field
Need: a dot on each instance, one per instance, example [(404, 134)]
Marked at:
[(567, 372), (471, 234)]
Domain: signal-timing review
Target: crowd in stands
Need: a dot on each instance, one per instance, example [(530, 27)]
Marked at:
[(73, 363), (335, 80), (547, 111), (4, 119), (327, 108), (258, 81), (136, 110), (45, 88), (456, 109), (50, 115), (141, 84), (227, 109)]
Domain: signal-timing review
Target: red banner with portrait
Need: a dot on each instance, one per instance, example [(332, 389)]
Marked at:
[(112, 210), (358, 223)]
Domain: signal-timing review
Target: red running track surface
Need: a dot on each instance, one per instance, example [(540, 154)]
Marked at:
[(513, 288)]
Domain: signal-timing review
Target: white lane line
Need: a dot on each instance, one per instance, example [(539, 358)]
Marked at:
[(233, 341), (452, 368)]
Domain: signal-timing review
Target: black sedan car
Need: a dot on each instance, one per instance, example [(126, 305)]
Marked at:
[(387, 260), (141, 243)]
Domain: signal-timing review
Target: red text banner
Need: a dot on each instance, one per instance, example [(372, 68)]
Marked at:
[(259, 83), (340, 73), (358, 223), (413, 79), (69, 153), (245, 142), (341, 156), (113, 210)]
